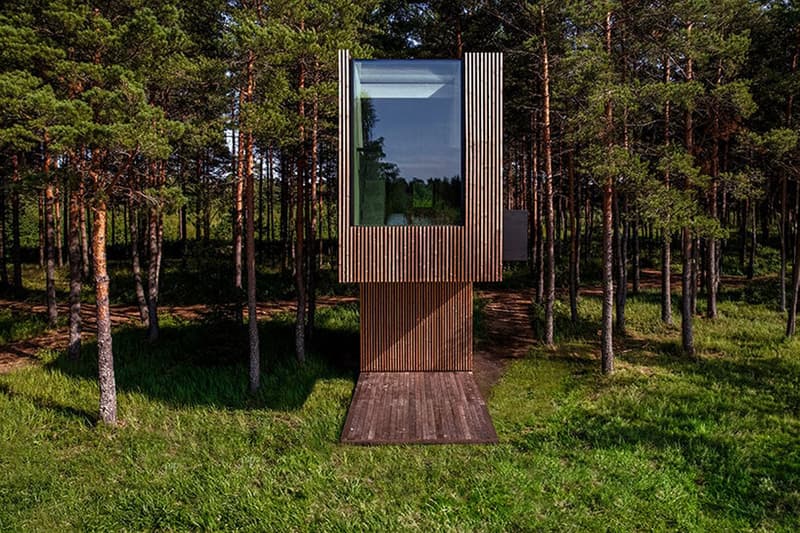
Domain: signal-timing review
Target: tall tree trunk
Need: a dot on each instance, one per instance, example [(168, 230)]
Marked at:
[(751, 261), (85, 237), (636, 263), (42, 230), (607, 327), (550, 264), (154, 255), (687, 330), (713, 192), (75, 269), (49, 241), (3, 236), (260, 200), (238, 191), (138, 282), (621, 230), (16, 250), (666, 237), (284, 215), (313, 215), (784, 229), (574, 249), (299, 262), (105, 353), (792, 318), (534, 205), (252, 316)]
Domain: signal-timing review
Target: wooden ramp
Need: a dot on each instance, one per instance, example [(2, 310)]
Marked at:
[(417, 408)]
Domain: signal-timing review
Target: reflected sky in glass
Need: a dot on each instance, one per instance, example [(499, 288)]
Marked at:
[(409, 113)]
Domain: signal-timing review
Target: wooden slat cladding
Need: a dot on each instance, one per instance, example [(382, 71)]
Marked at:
[(472, 252), (416, 327)]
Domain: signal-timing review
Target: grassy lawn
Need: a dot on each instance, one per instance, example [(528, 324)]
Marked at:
[(666, 443), (17, 326)]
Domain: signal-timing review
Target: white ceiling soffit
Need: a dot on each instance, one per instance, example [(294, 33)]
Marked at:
[(405, 90)]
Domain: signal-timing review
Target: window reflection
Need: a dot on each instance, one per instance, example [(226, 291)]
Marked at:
[(407, 137)]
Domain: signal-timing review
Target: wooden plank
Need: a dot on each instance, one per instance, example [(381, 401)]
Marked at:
[(417, 408)]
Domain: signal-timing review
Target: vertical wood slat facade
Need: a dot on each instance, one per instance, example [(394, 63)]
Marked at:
[(472, 252), (416, 281), (416, 327)]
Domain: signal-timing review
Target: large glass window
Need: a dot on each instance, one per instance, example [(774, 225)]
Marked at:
[(407, 143)]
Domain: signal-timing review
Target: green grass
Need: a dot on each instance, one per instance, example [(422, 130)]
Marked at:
[(16, 326), (665, 443)]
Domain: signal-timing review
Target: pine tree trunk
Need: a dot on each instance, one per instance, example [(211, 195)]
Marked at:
[(549, 221), (238, 191), (784, 228), (136, 265), (42, 230), (792, 318), (575, 239), (3, 236), (620, 231), (636, 255), (16, 250), (687, 310), (49, 242), (313, 215), (666, 238), (299, 260), (75, 270), (250, 244), (154, 259), (105, 354), (284, 215), (607, 326), (85, 237), (751, 262), (58, 220)]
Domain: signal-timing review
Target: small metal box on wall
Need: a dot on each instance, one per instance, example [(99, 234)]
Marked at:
[(420, 203)]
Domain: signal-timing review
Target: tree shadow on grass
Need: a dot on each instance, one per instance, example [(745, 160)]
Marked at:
[(717, 420), (88, 419), (207, 364)]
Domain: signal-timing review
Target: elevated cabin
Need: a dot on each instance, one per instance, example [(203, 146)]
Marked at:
[(420, 203)]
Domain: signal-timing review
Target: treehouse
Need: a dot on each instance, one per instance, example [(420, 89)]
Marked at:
[(420, 220)]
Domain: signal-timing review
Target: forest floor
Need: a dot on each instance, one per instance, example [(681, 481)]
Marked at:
[(508, 334), (666, 443)]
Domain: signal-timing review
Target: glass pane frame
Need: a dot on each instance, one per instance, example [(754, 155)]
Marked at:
[(355, 130)]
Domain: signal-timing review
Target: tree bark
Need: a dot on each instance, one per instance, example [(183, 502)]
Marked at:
[(621, 231), (666, 238), (713, 192), (250, 243), (687, 330), (49, 241), (75, 270), (792, 318), (550, 265), (299, 262), (3, 236), (138, 282), (313, 216), (607, 327), (574, 250), (238, 191), (16, 250), (154, 255), (105, 354), (85, 238)]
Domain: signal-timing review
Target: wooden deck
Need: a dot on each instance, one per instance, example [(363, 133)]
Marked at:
[(417, 408)]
